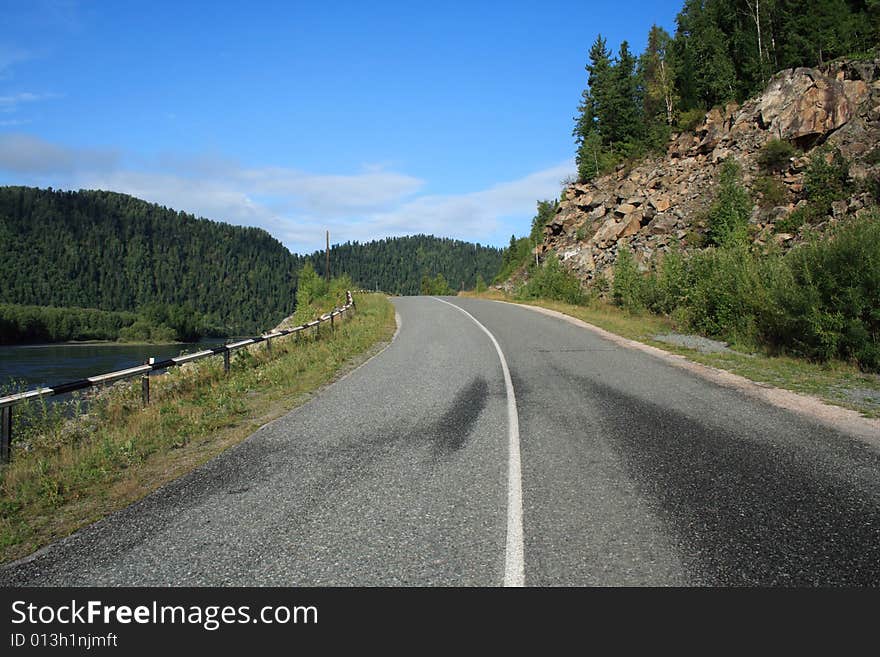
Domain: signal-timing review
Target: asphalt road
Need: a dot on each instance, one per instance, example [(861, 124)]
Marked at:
[(629, 472)]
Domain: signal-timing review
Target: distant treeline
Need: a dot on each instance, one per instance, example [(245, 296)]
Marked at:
[(398, 265), (153, 323)]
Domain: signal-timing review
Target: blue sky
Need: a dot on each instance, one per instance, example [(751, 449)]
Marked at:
[(369, 119)]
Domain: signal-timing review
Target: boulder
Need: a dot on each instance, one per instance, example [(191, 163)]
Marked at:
[(802, 104), (660, 203), (662, 224)]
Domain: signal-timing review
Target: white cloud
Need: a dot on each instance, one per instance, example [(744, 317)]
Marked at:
[(294, 206), (24, 154), (10, 102)]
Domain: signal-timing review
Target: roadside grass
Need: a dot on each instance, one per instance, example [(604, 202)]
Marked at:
[(834, 382), (68, 473)]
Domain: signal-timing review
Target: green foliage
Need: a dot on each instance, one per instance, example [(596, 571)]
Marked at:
[(690, 120), (396, 264), (666, 289), (551, 280), (152, 323), (309, 286), (820, 300), (792, 223), (776, 155), (610, 124), (826, 180), (627, 289), (517, 254), (593, 159), (728, 217), (771, 190), (436, 286), (723, 50), (722, 293), (581, 234), (546, 213), (481, 284), (831, 307), (20, 324), (95, 249), (871, 185)]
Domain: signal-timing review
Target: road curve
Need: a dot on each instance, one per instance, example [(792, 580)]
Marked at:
[(631, 472)]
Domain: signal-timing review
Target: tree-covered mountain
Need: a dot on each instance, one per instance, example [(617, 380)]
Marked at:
[(96, 249), (113, 252), (398, 264)]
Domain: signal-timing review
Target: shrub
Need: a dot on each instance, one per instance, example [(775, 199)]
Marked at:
[(667, 286), (826, 180), (729, 215), (776, 155), (771, 190), (871, 185), (581, 234), (723, 292), (552, 281), (791, 224), (690, 120), (627, 290), (832, 306)]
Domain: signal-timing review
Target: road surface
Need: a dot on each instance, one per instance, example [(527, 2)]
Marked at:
[(502, 446)]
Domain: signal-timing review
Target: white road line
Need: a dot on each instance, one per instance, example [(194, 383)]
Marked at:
[(514, 562)]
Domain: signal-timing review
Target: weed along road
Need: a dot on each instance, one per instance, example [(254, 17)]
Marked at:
[(490, 444)]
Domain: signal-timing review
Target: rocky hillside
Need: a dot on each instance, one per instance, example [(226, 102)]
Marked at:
[(661, 203)]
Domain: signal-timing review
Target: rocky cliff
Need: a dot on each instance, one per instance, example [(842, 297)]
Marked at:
[(661, 202)]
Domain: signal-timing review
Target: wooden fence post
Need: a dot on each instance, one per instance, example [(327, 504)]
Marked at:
[(226, 362), (5, 434), (269, 345)]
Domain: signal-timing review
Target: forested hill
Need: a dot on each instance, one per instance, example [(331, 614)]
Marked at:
[(398, 264), (96, 249)]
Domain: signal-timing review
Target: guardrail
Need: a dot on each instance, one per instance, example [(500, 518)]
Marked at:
[(8, 403)]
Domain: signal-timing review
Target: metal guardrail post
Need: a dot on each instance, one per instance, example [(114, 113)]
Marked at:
[(226, 362), (269, 345), (332, 325), (145, 385), (5, 434)]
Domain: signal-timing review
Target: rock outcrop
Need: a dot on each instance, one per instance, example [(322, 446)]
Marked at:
[(661, 203)]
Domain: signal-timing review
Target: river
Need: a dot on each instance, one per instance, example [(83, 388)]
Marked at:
[(35, 365)]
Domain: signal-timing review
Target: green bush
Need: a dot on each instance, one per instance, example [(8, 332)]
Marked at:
[(666, 286), (826, 180), (776, 155), (628, 287), (690, 120), (832, 306), (771, 190), (821, 300), (791, 224), (729, 215), (552, 281)]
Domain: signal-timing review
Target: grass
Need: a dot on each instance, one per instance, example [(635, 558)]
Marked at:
[(835, 382), (69, 474)]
